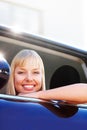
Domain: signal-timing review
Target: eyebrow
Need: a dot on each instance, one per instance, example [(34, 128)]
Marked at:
[(23, 68)]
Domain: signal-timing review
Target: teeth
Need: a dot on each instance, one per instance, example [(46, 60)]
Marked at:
[(28, 86)]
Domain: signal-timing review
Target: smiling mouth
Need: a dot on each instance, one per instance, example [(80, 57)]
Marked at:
[(28, 87)]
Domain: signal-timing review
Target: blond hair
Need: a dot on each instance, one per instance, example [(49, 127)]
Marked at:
[(19, 60)]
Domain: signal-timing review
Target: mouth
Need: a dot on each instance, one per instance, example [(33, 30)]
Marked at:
[(28, 87)]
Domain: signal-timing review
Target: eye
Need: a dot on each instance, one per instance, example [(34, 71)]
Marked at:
[(21, 72), (36, 72)]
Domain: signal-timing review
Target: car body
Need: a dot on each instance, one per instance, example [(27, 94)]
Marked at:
[(20, 113)]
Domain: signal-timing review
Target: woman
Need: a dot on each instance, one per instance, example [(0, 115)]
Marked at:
[(27, 78), (27, 73)]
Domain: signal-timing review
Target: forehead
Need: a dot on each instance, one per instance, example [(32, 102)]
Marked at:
[(30, 62)]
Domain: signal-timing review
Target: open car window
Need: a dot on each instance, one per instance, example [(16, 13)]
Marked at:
[(57, 58)]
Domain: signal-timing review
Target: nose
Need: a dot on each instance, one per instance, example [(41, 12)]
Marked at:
[(29, 77)]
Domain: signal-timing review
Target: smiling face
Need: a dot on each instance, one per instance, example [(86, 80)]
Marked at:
[(28, 78)]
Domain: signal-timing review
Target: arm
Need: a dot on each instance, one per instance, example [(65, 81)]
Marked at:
[(76, 93)]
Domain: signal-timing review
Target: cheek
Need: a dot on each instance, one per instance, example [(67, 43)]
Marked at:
[(17, 79), (16, 82), (39, 84), (39, 80)]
